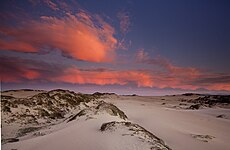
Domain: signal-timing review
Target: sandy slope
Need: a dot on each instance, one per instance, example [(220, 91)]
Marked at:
[(82, 130), (21, 93), (80, 135), (176, 126), (83, 135)]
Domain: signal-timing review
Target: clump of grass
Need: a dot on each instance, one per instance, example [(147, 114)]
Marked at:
[(195, 106), (6, 109), (111, 109), (137, 131), (24, 131), (81, 113)]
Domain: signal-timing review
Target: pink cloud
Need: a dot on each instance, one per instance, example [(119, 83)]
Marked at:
[(80, 36), (13, 73), (167, 66), (74, 75), (172, 76), (21, 70), (17, 46), (17, 70)]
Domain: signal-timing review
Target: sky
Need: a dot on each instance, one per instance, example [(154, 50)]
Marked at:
[(149, 47)]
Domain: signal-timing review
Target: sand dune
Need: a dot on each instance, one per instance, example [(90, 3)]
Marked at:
[(109, 121)]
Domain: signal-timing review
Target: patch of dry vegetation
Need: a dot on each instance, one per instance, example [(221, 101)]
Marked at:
[(137, 131)]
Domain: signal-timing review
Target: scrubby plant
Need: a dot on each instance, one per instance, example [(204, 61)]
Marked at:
[(135, 130), (111, 109), (43, 113), (6, 109), (56, 115), (24, 131)]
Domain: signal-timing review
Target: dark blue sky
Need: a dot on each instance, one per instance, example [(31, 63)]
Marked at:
[(171, 44), (191, 33)]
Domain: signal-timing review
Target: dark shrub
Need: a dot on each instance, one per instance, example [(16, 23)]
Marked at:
[(6, 109), (196, 106), (56, 115)]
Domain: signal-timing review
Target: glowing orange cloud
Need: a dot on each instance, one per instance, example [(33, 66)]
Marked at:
[(171, 76), (74, 75), (17, 46), (219, 87), (17, 70), (80, 36), (31, 74), (141, 79), (18, 77)]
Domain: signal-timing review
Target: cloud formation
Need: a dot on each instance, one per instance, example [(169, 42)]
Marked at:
[(15, 70), (74, 75), (81, 36), (55, 5), (21, 70), (171, 76), (143, 57), (124, 21), (51, 4)]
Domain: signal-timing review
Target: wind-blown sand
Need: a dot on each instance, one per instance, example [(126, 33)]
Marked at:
[(165, 117)]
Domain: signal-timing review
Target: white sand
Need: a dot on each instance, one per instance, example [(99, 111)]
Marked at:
[(175, 126), (21, 93)]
